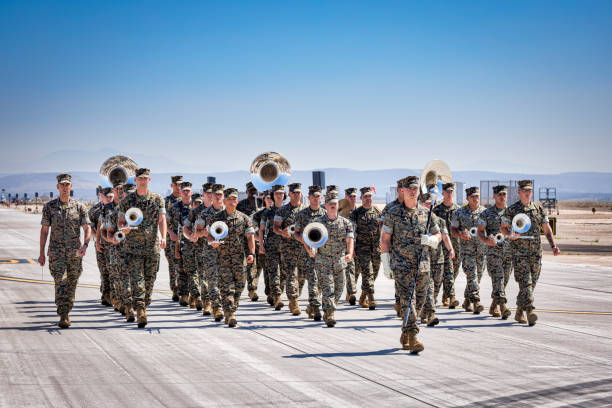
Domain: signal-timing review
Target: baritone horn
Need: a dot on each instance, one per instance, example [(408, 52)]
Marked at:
[(117, 170), (269, 169), (434, 174)]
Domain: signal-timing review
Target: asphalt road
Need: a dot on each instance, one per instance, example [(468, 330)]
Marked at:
[(182, 359)]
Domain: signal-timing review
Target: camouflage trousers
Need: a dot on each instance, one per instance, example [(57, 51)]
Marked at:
[(470, 264), (331, 283), (367, 264), (232, 279), (499, 266), (201, 272), (273, 259), (169, 251), (448, 274), (480, 264), (143, 271), (253, 270), (351, 281), (65, 271), (404, 279), (308, 266), (261, 260), (435, 283), (289, 265), (526, 273), (104, 268), (210, 273), (187, 269), (120, 276)]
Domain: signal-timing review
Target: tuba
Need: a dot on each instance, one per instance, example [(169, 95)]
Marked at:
[(434, 174), (117, 170), (315, 235), (269, 169)]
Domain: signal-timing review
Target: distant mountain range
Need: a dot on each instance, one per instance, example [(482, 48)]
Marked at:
[(570, 186)]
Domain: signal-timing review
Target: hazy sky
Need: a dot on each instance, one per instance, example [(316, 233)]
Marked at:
[(366, 85)]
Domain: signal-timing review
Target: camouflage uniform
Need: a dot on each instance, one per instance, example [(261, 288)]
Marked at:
[(102, 256), (291, 252), (117, 257), (210, 259), (272, 246), (526, 253), (344, 210), (230, 257), (253, 270), (450, 268), (169, 201), (65, 220), (383, 214), (185, 266), (260, 259), (367, 246), (329, 259), (436, 262), (472, 251), (499, 258), (302, 219), (142, 245), (200, 244)]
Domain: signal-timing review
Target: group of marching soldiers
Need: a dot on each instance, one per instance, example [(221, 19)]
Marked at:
[(264, 235)]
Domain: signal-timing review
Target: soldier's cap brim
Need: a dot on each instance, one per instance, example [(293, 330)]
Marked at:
[(64, 182), (315, 193), (332, 201), (367, 193)]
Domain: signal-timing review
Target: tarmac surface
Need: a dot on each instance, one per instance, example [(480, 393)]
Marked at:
[(183, 359)]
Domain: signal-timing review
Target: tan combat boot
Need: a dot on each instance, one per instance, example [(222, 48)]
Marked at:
[(445, 301), (404, 341), (278, 305), (253, 296), (452, 302), (232, 322), (227, 316), (309, 311), (294, 307), (415, 346), (207, 310), (270, 300), (175, 296), (398, 309), (432, 320), (325, 316), (532, 317), (362, 300), (424, 317), (218, 314), (142, 317), (64, 321), (107, 300), (331, 320), (316, 314), (129, 314), (467, 305), (493, 309), (371, 301), (478, 307), (183, 301), (519, 315), (117, 305), (505, 313), (352, 299), (199, 304), (192, 302)]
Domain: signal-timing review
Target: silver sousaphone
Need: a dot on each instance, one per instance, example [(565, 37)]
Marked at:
[(117, 170)]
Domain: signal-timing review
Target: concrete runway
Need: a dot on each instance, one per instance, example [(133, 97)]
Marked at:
[(182, 359)]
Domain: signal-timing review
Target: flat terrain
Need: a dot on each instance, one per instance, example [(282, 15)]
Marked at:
[(182, 359)]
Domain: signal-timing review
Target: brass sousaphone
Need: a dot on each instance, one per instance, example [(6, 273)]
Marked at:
[(435, 173)]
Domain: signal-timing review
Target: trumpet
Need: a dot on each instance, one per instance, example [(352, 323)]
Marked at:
[(315, 235), (218, 230), (499, 238), (521, 223), (119, 236), (133, 217), (291, 229), (473, 232), (269, 169)]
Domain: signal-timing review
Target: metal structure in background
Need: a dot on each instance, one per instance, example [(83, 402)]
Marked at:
[(318, 178), (548, 198), (486, 191)]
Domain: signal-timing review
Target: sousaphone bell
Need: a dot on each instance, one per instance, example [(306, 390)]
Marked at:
[(269, 169), (117, 169)]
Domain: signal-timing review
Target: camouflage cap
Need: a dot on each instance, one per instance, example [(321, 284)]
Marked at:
[(176, 179), (500, 189), (351, 191), (525, 184), (218, 188), (266, 193), (130, 188), (107, 191), (331, 197), (185, 185), (143, 172), (470, 191), (278, 187), (448, 187), (250, 186), (366, 190), (424, 197), (315, 190), (119, 186), (408, 182), (331, 187), (64, 178), (230, 192), (207, 187), (295, 187), (118, 183), (196, 197)]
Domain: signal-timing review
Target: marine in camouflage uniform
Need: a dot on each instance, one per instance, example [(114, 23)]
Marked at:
[(64, 216), (260, 258), (345, 207), (450, 268), (527, 253), (209, 253), (169, 201), (331, 258), (250, 206), (366, 220), (230, 253), (272, 244), (291, 249), (436, 262), (302, 219), (106, 289), (142, 245), (499, 260), (383, 214), (472, 249), (404, 233)]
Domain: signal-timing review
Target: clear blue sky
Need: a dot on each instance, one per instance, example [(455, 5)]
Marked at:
[(366, 85)]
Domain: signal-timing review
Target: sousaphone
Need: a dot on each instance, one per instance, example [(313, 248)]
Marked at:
[(117, 170), (269, 169)]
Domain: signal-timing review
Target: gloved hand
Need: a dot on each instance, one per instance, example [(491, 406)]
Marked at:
[(386, 264), (430, 241)]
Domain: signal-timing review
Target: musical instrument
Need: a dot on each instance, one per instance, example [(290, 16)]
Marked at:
[(499, 238), (117, 170), (521, 223), (315, 235), (435, 173), (291, 229), (473, 232), (218, 230), (119, 236), (269, 169), (133, 217)]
